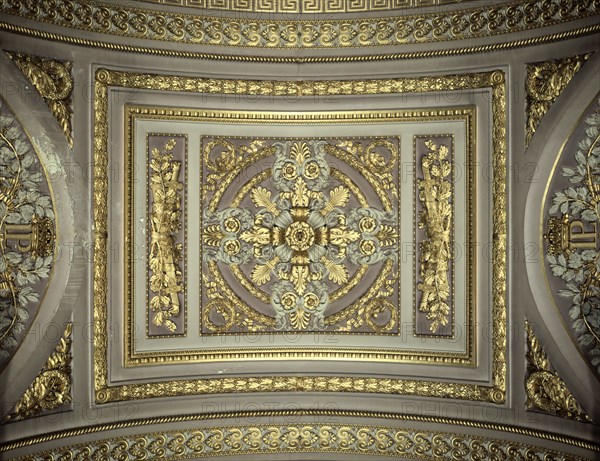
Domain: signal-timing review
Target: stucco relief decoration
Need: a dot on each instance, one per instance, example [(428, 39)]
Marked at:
[(300, 235), (165, 233), (53, 81), (545, 389), (27, 232), (573, 238)]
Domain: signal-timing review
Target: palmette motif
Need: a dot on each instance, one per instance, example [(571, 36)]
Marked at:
[(301, 236)]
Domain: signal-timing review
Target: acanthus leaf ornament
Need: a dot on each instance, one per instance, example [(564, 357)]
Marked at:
[(52, 387), (545, 389), (545, 82), (53, 81), (301, 238)]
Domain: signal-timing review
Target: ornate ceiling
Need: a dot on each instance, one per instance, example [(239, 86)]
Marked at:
[(296, 230)]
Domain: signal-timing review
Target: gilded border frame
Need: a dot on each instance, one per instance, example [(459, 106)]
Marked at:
[(466, 114), (492, 80)]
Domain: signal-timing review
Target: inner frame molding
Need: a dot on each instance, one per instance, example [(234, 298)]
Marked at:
[(494, 392)]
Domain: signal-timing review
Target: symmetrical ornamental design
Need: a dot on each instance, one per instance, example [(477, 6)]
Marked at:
[(53, 80), (108, 80), (385, 441), (304, 246), (165, 254), (436, 215), (127, 21), (305, 6), (545, 82), (27, 232), (573, 240), (545, 389), (52, 387)]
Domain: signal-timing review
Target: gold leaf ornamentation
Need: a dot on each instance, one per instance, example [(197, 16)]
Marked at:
[(52, 387), (116, 19), (545, 82), (53, 81), (367, 441), (166, 281), (435, 193), (545, 389)]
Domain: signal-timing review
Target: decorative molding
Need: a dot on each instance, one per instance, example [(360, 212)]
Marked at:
[(305, 6), (53, 81), (494, 81), (201, 442), (136, 114), (545, 82), (108, 18), (545, 389), (52, 387), (155, 51), (241, 415)]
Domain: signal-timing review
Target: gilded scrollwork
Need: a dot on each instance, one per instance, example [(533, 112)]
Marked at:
[(27, 232), (165, 255), (545, 82), (301, 238), (436, 217), (545, 389), (371, 441), (53, 81), (52, 387), (108, 18)]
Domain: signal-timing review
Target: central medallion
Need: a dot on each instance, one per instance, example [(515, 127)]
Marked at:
[(299, 236)]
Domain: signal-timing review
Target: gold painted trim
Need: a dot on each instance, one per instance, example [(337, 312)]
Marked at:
[(305, 6), (502, 46), (166, 26), (217, 441), (132, 358), (493, 80), (389, 416)]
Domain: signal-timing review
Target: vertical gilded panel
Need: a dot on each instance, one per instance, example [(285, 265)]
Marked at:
[(166, 233), (434, 235)]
